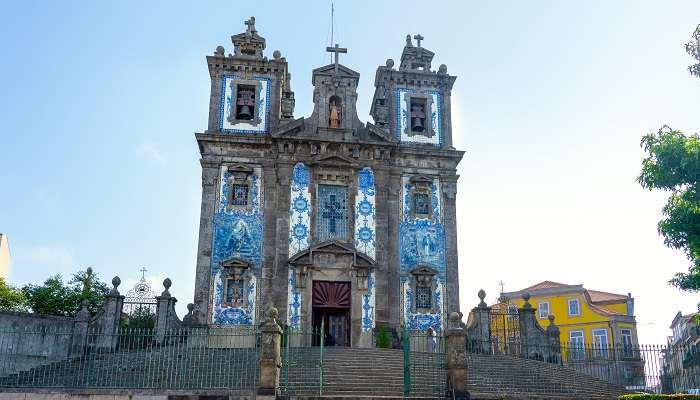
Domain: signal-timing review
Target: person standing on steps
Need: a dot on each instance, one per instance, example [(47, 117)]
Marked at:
[(431, 340)]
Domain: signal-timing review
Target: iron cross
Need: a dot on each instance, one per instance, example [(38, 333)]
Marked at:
[(418, 38), (337, 50), (143, 272)]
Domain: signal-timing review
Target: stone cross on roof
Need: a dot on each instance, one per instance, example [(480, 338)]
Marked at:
[(418, 38), (337, 50), (251, 25), (143, 273)]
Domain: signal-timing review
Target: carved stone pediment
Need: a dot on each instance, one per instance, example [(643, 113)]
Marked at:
[(291, 128), (332, 254), (423, 270), (421, 179), (236, 267), (334, 160), (378, 134)]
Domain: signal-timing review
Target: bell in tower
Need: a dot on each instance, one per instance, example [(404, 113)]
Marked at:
[(245, 104), (417, 117)]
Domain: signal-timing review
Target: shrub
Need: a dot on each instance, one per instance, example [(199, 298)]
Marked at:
[(383, 338)]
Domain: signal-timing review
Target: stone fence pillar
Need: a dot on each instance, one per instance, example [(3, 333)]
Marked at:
[(457, 358), (107, 322), (166, 317), (270, 356), (479, 327), (80, 331)]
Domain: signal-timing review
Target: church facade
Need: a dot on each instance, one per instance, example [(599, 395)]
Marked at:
[(329, 219)]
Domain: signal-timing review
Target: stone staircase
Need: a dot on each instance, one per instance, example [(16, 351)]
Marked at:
[(348, 373)]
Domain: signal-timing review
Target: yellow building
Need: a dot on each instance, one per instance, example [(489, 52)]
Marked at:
[(586, 318), (4, 257)]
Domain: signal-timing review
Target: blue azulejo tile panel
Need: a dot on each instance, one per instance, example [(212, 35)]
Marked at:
[(423, 321), (422, 243), (368, 304), (238, 233), (299, 210), (256, 101), (293, 301), (365, 207), (433, 117), (235, 315)]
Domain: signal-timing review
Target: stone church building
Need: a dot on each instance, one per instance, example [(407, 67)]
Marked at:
[(325, 217)]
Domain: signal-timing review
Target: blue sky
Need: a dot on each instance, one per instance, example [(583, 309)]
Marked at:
[(100, 101)]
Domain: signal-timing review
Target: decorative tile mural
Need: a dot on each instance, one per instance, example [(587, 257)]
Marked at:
[(368, 305), (260, 103), (365, 213), (299, 235), (299, 210), (434, 118), (422, 242), (293, 301), (237, 233)]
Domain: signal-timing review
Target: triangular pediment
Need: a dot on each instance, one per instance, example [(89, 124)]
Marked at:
[(378, 134), (235, 262), (423, 270), (343, 71), (291, 128), (421, 179), (334, 160), (334, 247)]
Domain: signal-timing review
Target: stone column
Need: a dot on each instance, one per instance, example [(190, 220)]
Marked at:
[(270, 357), (80, 331), (552, 331), (479, 329), (528, 327), (108, 322), (164, 306), (457, 358)]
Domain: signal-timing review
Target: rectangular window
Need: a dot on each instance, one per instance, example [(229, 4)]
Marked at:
[(626, 339), (239, 195), (543, 310), (421, 203), (234, 291), (574, 308), (332, 212), (424, 297), (577, 350), (600, 343)]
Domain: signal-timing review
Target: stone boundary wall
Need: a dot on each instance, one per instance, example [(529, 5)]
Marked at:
[(84, 395)]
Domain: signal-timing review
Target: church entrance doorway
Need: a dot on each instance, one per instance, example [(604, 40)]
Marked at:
[(331, 310)]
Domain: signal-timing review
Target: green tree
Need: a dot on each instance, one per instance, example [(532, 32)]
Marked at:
[(54, 297), (12, 298), (673, 164), (693, 48)]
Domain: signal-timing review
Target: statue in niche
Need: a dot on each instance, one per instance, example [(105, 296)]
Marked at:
[(335, 113)]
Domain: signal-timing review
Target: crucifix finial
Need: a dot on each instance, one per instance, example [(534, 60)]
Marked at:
[(251, 25), (337, 50), (418, 38), (502, 284), (143, 273)]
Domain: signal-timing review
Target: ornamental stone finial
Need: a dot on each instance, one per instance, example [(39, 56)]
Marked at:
[(219, 51), (116, 281), (408, 40), (526, 297), (389, 63), (166, 284), (482, 296)]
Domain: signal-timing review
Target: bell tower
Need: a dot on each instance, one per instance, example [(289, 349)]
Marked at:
[(335, 97), (413, 102)]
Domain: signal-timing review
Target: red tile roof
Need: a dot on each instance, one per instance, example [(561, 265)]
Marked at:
[(597, 296), (544, 285)]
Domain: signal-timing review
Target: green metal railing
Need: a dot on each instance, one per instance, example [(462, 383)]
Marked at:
[(206, 358), (302, 362), (425, 365)]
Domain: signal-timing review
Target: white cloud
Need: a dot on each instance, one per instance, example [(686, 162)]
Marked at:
[(51, 256), (150, 152)]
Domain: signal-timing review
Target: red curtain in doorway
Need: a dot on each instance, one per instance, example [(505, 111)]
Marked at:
[(331, 294)]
